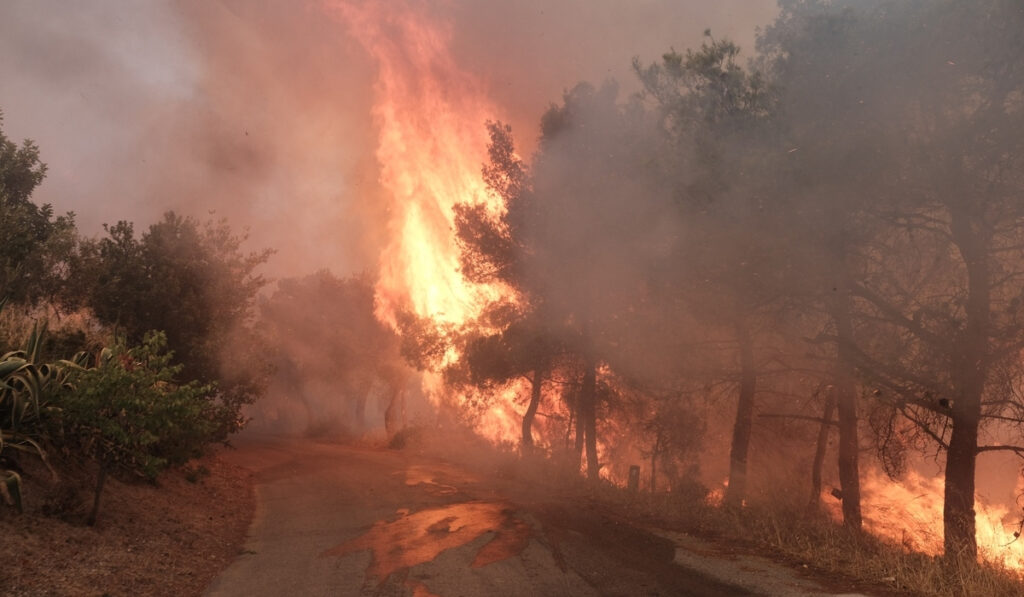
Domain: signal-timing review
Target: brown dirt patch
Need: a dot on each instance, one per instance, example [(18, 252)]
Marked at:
[(168, 538)]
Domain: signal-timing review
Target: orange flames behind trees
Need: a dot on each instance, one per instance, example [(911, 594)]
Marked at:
[(430, 115)]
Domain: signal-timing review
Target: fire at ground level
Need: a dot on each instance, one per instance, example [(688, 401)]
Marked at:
[(906, 511), (335, 519)]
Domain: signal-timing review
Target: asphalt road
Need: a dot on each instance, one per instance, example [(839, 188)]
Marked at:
[(341, 520)]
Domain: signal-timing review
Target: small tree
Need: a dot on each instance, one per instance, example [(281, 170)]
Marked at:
[(129, 414)]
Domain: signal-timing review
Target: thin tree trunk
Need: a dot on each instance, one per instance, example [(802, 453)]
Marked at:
[(531, 410), (362, 392), (814, 503), (846, 403), (654, 461), (570, 427), (101, 479), (588, 416), (394, 415), (741, 430), (578, 438)]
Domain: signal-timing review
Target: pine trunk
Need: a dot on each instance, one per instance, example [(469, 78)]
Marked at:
[(969, 373), (846, 403), (737, 490), (531, 410), (588, 416), (814, 503)]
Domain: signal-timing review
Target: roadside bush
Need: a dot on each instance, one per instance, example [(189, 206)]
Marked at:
[(130, 414)]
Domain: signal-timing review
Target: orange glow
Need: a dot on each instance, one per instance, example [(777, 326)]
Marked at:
[(909, 513), (430, 116), (413, 539), (716, 497)]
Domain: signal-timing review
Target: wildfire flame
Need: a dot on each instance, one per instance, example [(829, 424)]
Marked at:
[(431, 118), (432, 142), (908, 512)]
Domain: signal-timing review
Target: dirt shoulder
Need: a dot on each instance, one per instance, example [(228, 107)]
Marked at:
[(171, 538)]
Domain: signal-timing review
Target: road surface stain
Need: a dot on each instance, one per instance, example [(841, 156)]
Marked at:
[(415, 475), (420, 537)]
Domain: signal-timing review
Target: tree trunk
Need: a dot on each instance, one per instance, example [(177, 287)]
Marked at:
[(362, 388), (846, 403), (588, 416), (969, 373), (654, 461), (960, 544), (570, 427), (531, 410), (394, 415), (101, 479), (814, 503), (579, 423), (741, 430)]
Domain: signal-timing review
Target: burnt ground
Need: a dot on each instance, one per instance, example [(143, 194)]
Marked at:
[(341, 520)]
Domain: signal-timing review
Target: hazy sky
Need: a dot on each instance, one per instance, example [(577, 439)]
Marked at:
[(258, 110)]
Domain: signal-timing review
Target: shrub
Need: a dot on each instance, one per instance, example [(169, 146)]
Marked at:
[(129, 413)]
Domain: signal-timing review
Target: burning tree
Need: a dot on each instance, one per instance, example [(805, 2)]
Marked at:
[(492, 251)]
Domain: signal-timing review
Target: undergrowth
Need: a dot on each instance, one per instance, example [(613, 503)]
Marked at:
[(818, 542)]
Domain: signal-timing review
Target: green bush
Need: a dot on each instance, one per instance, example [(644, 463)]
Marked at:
[(129, 412)]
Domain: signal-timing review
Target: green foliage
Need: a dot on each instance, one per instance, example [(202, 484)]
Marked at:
[(34, 243), (707, 87), (130, 412), (188, 279), (27, 390)]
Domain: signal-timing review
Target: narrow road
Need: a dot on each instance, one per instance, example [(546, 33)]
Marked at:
[(342, 520)]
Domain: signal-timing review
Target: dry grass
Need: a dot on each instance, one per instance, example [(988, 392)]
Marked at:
[(820, 544), (823, 544)]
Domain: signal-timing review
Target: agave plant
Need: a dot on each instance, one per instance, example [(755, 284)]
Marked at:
[(26, 388)]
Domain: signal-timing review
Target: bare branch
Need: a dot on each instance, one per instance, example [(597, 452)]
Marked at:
[(1019, 450), (924, 427), (894, 314)]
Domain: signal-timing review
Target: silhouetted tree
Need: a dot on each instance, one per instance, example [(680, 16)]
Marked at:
[(717, 117), (914, 110)]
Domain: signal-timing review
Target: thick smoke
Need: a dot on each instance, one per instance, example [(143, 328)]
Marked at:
[(253, 111), (259, 110)]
